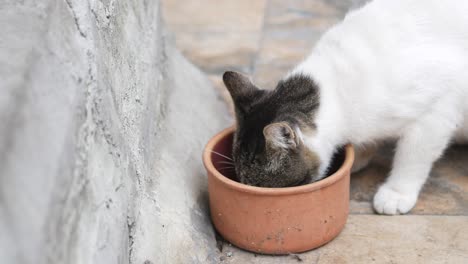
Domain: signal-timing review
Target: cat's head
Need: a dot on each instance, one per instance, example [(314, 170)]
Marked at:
[(268, 148)]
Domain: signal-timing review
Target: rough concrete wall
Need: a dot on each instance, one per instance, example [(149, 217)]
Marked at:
[(102, 126)]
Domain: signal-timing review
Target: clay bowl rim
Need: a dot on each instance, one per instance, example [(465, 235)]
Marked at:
[(265, 191)]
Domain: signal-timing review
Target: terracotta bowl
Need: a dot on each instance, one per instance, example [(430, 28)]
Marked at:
[(276, 220)]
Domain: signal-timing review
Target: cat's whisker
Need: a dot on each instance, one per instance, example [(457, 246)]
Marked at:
[(226, 168), (221, 155), (226, 162)]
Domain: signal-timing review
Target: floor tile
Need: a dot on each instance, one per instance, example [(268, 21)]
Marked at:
[(380, 239), (216, 35), (445, 193)]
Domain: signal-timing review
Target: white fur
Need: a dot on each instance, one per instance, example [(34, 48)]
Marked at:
[(393, 69)]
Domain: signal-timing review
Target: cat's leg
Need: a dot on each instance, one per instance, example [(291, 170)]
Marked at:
[(417, 149), (363, 156)]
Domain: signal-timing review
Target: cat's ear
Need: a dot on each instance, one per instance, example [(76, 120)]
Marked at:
[(239, 86), (280, 136)]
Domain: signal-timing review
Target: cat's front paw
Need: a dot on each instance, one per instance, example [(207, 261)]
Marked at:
[(390, 202)]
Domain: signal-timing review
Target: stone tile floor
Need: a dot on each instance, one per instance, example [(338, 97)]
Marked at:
[(266, 38)]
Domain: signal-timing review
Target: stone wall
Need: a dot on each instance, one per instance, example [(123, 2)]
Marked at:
[(103, 125)]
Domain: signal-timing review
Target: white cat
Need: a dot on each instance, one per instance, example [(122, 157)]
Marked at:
[(393, 69)]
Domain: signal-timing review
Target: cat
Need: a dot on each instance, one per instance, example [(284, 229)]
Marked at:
[(390, 70)]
